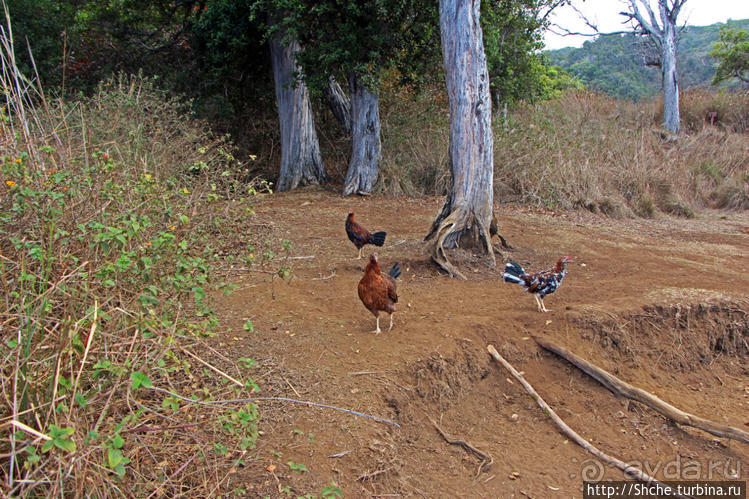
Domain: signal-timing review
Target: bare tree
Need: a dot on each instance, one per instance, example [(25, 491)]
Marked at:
[(662, 31), (466, 215), (301, 162)]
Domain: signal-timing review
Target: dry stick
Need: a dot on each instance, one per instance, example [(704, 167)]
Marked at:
[(324, 278), (85, 352), (206, 364), (277, 399), (620, 387), (468, 447), (368, 476), (626, 468)]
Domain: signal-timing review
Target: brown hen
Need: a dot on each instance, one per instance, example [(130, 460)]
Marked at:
[(377, 291)]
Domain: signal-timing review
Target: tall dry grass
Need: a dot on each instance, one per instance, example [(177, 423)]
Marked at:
[(585, 150)]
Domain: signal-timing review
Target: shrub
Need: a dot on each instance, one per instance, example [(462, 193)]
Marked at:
[(107, 267)]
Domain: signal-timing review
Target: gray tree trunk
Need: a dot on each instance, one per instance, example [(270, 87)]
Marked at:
[(366, 148), (671, 117), (301, 163), (466, 216), (339, 104)]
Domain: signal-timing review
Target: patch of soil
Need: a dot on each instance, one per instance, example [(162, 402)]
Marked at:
[(660, 303)]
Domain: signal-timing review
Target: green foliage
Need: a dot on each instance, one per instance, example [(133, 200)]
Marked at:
[(60, 438), (616, 66), (513, 35), (358, 38), (732, 52)]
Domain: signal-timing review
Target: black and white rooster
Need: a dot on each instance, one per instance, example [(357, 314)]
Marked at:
[(541, 283)]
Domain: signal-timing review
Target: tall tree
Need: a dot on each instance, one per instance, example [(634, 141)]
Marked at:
[(358, 41), (301, 163), (466, 215), (662, 32)]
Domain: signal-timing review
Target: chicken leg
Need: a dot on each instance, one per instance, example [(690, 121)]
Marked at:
[(359, 254), (377, 331), (391, 321), (540, 303)]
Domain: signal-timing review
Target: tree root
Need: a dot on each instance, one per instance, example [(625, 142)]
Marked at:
[(447, 232)]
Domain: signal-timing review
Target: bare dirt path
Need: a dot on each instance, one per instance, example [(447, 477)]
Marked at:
[(660, 303)]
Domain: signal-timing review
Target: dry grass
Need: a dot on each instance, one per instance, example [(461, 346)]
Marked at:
[(585, 150)]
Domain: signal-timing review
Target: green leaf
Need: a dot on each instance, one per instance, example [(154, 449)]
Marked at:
[(65, 444), (139, 379)]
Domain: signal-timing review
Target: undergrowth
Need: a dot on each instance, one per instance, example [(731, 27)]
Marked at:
[(113, 210)]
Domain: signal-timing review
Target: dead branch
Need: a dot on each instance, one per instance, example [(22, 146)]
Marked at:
[(486, 459), (626, 468), (620, 387), (218, 403), (332, 275), (369, 476)]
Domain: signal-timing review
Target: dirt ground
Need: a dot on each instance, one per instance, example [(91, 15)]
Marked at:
[(660, 303)]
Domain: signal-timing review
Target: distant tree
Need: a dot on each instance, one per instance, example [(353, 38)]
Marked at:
[(466, 215), (732, 52), (662, 32)]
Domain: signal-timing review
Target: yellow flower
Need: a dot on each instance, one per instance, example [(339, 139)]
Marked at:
[(148, 176), (17, 160), (10, 183), (148, 243), (185, 191), (172, 227), (253, 157)]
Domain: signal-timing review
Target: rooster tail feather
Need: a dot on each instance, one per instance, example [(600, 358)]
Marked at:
[(514, 273), (395, 272), (378, 238)]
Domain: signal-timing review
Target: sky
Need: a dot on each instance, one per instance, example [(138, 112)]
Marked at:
[(606, 14)]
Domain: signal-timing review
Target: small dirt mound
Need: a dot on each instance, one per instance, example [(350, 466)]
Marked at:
[(442, 380), (680, 337)]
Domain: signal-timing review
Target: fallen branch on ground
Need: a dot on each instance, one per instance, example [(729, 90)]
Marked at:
[(620, 387), (486, 459), (215, 403), (626, 468)]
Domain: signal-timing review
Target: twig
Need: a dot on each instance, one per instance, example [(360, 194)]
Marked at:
[(290, 386), (626, 468), (300, 257), (468, 447), (324, 278), (369, 476), (340, 454), (85, 352), (215, 369), (276, 399), (620, 387), (144, 429)]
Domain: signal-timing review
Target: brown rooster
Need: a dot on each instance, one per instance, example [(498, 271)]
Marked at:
[(361, 236), (377, 290)]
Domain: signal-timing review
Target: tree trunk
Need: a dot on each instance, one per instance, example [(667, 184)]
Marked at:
[(466, 216), (301, 163), (671, 119), (366, 149), (339, 104)]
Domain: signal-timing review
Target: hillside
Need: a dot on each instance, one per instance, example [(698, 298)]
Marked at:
[(615, 64)]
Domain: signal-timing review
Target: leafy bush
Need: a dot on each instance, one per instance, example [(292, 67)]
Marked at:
[(107, 244)]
